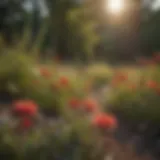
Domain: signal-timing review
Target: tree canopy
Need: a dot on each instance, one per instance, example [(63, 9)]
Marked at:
[(82, 30)]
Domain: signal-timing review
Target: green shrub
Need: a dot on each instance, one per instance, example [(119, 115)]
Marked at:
[(99, 74), (15, 73), (70, 136), (21, 78), (73, 139), (137, 102)]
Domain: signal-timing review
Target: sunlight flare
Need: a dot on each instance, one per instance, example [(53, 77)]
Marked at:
[(115, 6)]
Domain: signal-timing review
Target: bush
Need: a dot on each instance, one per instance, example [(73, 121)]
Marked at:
[(15, 73), (136, 101), (22, 78), (77, 132), (71, 138), (99, 74)]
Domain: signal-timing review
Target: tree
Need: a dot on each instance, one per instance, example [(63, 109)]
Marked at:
[(58, 25), (12, 18), (120, 33), (82, 33), (150, 33), (71, 28)]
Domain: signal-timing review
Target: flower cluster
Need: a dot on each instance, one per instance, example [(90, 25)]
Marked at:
[(88, 105), (119, 78), (63, 81), (99, 120), (104, 121), (25, 110), (45, 72)]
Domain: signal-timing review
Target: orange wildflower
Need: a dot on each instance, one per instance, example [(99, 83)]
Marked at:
[(45, 73), (104, 121), (64, 81), (152, 84)]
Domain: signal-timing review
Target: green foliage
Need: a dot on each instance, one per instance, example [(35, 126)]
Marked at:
[(75, 139), (150, 33), (73, 28), (137, 102), (12, 16), (22, 79), (100, 74), (82, 32), (15, 71)]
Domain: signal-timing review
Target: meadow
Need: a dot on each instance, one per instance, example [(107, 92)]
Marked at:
[(57, 111)]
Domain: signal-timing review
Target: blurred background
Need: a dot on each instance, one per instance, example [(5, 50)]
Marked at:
[(108, 30), (73, 64)]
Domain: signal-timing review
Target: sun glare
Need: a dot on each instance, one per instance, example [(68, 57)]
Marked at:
[(115, 6)]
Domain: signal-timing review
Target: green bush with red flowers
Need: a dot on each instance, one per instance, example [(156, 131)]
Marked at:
[(29, 129), (71, 137), (49, 115), (137, 101), (15, 73), (22, 78)]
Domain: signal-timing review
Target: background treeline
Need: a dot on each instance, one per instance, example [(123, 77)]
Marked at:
[(84, 30)]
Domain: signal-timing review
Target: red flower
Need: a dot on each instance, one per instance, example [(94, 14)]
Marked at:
[(152, 84), (74, 103), (24, 107), (25, 123), (104, 121), (45, 73), (120, 77), (90, 105), (64, 81)]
